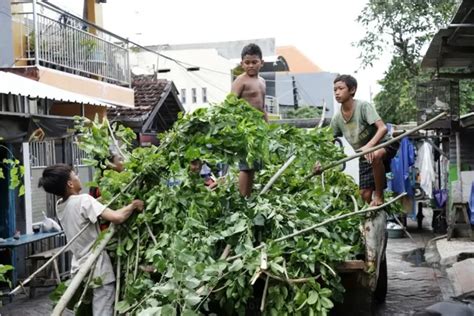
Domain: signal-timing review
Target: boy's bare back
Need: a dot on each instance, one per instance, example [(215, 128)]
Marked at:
[(251, 89)]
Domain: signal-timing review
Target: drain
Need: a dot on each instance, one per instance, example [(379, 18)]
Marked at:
[(465, 255), (416, 257)]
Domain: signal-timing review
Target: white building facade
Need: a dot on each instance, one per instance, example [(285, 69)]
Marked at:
[(202, 76)]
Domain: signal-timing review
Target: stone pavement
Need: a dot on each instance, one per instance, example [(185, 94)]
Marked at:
[(413, 284), (39, 306)]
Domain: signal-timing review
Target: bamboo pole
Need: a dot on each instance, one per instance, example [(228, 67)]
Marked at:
[(81, 274), (76, 281), (383, 145), (329, 220), (57, 254), (117, 277), (277, 174)]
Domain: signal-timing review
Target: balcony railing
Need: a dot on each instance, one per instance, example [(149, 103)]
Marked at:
[(53, 38)]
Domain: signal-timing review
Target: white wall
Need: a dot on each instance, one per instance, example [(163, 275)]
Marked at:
[(214, 74)]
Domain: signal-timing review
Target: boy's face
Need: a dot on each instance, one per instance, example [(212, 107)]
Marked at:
[(74, 183), (195, 166), (342, 92), (251, 64)]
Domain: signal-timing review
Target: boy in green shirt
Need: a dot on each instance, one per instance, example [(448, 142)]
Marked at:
[(363, 128)]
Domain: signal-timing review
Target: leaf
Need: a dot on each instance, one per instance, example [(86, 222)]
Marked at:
[(151, 311), (312, 298), (189, 312), (326, 303), (192, 283), (236, 265), (166, 289), (122, 306), (300, 298), (192, 299), (259, 220), (21, 190)]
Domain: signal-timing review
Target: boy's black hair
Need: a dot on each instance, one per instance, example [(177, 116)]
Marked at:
[(350, 82), (251, 49), (55, 178)]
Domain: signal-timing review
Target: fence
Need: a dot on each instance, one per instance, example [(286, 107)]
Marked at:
[(56, 39)]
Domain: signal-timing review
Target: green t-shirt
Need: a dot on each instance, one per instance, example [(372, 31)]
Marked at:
[(360, 129)]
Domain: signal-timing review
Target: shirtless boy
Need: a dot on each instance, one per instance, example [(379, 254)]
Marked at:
[(250, 87)]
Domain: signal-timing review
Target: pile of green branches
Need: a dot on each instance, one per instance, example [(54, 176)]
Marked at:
[(191, 251)]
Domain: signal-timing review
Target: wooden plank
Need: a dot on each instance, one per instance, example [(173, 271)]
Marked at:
[(45, 254), (351, 265)]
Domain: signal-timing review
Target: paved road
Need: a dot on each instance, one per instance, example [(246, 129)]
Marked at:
[(412, 283)]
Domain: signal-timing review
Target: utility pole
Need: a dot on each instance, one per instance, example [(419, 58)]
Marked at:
[(295, 92)]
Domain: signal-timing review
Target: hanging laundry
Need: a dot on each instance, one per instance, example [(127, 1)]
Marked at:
[(425, 164), (400, 167), (441, 197)]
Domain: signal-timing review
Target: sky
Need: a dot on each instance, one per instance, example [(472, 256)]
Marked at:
[(323, 30)]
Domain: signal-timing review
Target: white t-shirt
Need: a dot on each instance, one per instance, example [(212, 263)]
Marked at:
[(75, 213)]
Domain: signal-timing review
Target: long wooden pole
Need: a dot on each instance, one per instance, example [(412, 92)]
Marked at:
[(383, 145)]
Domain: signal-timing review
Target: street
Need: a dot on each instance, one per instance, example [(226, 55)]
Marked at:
[(413, 284)]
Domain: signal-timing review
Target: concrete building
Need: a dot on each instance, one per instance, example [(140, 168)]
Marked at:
[(53, 66)]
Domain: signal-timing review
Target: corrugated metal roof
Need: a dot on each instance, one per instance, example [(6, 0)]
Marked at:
[(453, 47), (18, 85)]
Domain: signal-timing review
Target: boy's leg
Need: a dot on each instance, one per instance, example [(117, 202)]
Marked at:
[(366, 180), (246, 182), (103, 300), (378, 168), (366, 195)]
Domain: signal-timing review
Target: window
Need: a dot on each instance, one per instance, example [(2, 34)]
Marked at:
[(183, 96), (194, 95), (204, 95)]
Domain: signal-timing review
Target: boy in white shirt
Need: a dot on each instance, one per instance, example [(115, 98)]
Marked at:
[(77, 210)]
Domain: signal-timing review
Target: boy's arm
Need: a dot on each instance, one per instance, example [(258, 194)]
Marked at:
[(264, 108), (335, 129), (372, 118), (121, 215), (237, 87), (381, 131)]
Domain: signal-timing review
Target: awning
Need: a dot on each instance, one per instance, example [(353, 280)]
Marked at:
[(18, 85), (17, 127), (453, 47)]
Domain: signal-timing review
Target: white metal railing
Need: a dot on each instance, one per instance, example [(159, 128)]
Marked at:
[(56, 39), (78, 155), (42, 154), (271, 104)]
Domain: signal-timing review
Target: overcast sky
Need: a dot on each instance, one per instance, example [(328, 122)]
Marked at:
[(322, 29)]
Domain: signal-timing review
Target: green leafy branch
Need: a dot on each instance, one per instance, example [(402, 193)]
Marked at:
[(16, 172)]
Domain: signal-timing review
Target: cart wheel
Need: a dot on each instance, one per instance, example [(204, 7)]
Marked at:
[(381, 289)]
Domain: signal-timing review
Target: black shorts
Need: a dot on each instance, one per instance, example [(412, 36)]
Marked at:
[(257, 165), (366, 175)]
